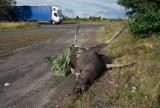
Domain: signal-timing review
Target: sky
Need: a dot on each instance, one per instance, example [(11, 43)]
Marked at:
[(82, 8)]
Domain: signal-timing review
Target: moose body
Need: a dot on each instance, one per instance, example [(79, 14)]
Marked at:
[(90, 65)]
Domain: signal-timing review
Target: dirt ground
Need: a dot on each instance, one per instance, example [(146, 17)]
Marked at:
[(29, 77)]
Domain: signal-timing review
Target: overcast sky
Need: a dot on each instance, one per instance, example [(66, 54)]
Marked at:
[(82, 8)]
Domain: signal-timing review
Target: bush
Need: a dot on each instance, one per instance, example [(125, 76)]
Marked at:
[(144, 16)]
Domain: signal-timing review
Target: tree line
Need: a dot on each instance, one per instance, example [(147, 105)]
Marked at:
[(77, 18)]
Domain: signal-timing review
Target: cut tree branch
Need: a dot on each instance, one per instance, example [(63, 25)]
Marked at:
[(76, 33)]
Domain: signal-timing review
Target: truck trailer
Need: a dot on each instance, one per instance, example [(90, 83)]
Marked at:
[(47, 13)]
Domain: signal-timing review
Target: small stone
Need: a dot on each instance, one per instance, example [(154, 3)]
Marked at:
[(133, 91), (6, 84), (134, 88), (111, 82)]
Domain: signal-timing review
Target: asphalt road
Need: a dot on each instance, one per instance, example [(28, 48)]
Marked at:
[(28, 75)]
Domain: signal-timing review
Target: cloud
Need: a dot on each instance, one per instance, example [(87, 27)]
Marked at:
[(104, 9), (69, 10)]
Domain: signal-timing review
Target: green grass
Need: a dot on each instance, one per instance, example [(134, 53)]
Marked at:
[(17, 25), (144, 75), (137, 86)]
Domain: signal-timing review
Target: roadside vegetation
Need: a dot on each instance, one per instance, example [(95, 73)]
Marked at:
[(136, 86), (61, 62), (4, 26)]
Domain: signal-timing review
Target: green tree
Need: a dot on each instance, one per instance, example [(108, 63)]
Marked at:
[(144, 16), (94, 18), (7, 2), (6, 7), (77, 17)]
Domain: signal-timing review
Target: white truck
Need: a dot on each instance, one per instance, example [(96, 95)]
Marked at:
[(56, 15)]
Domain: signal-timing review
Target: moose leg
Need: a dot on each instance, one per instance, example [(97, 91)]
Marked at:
[(97, 47), (110, 66), (100, 46)]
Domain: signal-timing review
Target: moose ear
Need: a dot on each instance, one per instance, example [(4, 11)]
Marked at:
[(73, 71)]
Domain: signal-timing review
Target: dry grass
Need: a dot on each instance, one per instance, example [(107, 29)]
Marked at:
[(11, 42), (17, 25), (138, 86)]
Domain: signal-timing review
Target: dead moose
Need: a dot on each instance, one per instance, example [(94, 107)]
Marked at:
[(90, 64)]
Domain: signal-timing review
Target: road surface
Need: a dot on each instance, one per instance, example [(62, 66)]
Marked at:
[(28, 76)]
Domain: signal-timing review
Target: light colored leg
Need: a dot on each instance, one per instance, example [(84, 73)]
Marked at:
[(109, 66), (115, 36)]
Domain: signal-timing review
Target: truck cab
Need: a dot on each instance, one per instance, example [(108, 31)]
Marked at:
[(57, 17)]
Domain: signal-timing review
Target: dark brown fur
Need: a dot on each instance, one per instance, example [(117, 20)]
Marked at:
[(90, 65)]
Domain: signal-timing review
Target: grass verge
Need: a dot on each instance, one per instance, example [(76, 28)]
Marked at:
[(137, 86), (10, 42), (105, 22), (4, 26)]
